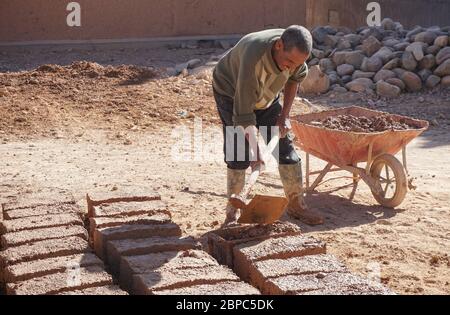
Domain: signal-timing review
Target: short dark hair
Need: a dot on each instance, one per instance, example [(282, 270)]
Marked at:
[(299, 37)]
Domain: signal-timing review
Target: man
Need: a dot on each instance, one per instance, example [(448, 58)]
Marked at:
[(247, 83)]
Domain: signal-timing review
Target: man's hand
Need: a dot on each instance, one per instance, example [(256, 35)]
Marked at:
[(284, 125)]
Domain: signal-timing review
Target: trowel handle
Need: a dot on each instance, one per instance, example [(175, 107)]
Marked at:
[(256, 171)]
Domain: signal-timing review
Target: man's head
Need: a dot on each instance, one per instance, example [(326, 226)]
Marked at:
[(293, 48)]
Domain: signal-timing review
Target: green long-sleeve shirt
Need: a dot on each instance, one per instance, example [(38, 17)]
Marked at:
[(249, 75)]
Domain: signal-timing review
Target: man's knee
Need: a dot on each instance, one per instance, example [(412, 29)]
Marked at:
[(238, 165)]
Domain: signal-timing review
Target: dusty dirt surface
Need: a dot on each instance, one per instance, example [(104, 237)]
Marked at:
[(362, 124), (68, 131)]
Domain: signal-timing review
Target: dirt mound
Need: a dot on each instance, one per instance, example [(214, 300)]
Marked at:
[(55, 100), (363, 124)]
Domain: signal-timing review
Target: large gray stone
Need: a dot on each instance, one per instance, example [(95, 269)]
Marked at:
[(445, 82), (424, 74), (317, 53), (401, 46), (397, 82), (339, 57), (399, 72), (425, 37), (354, 58), (444, 69), (343, 44), (360, 85), (408, 61), (327, 65), (371, 45), (388, 24), (345, 69), (417, 49), (412, 81), (434, 49), (387, 90), (372, 64), (385, 54), (428, 62), (441, 41), (394, 63), (316, 82), (360, 74), (444, 54), (384, 75), (432, 81), (319, 34), (354, 39), (331, 41)]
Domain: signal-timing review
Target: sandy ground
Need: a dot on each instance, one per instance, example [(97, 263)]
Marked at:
[(85, 149)]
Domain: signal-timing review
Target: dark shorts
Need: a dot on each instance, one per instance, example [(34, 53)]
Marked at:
[(268, 117)]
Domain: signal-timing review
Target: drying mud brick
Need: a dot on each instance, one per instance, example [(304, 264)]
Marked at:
[(104, 290), (260, 271), (99, 223), (132, 247), (121, 195), (274, 248), (58, 208), (44, 249), (130, 208), (30, 236), (142, 264), (221, 288), (102, 236), (42, 267), (93, 276), (38, 199), (44, 221), (163, 279), (221, 242), (329, 283)]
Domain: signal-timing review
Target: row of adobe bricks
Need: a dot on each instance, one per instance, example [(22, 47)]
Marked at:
[(145, 252)]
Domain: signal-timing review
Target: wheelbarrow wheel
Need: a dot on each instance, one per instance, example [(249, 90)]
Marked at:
[(390, 176)]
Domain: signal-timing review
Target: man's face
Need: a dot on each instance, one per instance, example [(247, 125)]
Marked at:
[(288, 60)]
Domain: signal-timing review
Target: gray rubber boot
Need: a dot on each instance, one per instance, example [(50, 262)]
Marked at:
[(235, 184), (291, 177)]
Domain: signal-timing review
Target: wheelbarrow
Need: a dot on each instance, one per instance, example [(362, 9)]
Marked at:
[(385, 175)]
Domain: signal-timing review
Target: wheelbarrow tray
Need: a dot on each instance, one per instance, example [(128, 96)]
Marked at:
[(348, 148)]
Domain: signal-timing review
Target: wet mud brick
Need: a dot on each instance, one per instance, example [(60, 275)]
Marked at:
[(44, 249), (30, 236), (99, 223), (142, 264), (132, 247), (104, 290), (121, 195), (221, 288), (130, 208), (221, 242), (38, 199), (262, 270), (43, 267), (274, 248), (93, 276), (167, 279), (57, 208), (323, 283), (43, 221), (131, 231)]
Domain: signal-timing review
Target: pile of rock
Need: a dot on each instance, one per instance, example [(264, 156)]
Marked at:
[(387, 59)]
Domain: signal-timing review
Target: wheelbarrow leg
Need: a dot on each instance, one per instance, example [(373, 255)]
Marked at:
[(320, 177), (307, 171), (356, 179)]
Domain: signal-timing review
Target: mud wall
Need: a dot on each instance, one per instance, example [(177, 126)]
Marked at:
[(45, 20)]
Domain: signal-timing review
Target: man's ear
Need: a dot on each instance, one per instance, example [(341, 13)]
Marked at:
[(279, 45)]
